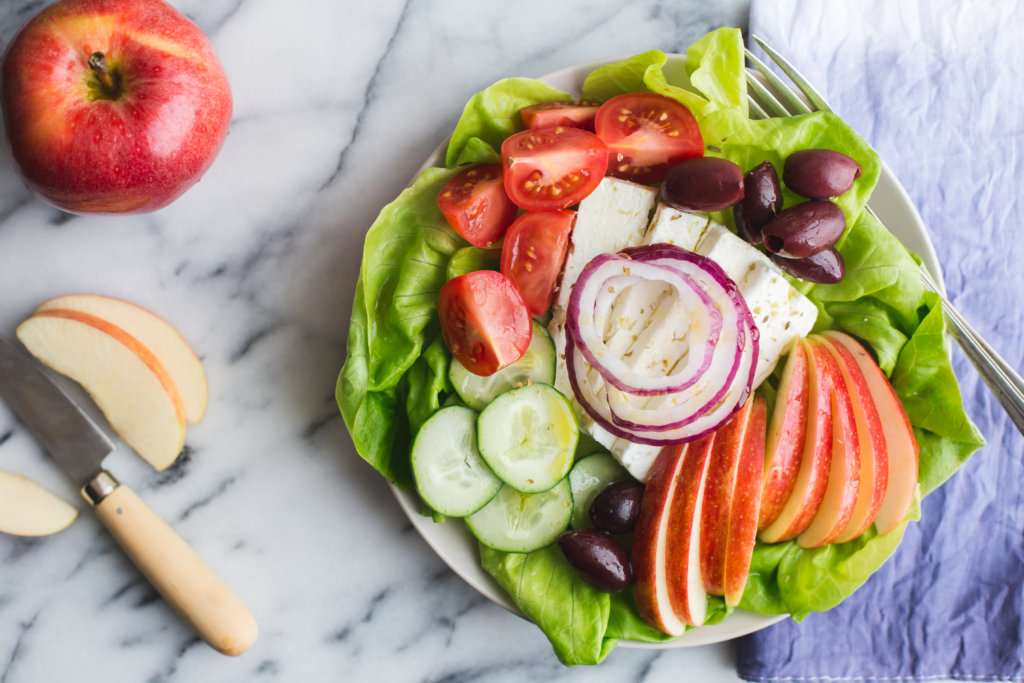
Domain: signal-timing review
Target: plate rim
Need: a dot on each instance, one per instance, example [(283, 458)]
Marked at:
[(894, 207)]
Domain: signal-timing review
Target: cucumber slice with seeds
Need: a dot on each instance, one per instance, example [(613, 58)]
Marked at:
[(528, 436), (515, 522), (450, 475), (536, 365)]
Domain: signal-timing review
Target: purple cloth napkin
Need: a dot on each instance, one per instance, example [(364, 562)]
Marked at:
[(935, 86)]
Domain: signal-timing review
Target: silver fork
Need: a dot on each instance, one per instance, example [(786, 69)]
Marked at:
[(776, 98)]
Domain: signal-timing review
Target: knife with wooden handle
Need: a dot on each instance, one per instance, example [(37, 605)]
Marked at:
[(79, 447)]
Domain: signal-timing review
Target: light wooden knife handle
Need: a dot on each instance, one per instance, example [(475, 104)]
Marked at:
[(177, 572)]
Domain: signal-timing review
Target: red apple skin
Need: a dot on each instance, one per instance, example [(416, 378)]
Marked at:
[(843, 486), (686, 584), (900, 443), (874, 461), (785, 441), (138, 152), (746, 501), (815, 460)]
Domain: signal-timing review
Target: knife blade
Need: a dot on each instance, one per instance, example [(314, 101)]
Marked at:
[(79, 446)]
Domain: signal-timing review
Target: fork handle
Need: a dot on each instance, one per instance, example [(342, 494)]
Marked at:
[(1000, 377)]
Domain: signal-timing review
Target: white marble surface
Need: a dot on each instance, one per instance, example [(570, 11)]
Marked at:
[(336, 105)]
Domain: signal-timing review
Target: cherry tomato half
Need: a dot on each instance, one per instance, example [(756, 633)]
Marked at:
[(476, 206), (484, 321), (570, 114), (546, 169), (533, 252), (646, 133)]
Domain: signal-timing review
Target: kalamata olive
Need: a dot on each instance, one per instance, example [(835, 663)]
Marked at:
[(598, 558), (819, 173), (804, 229), (703, 184), (615, 508), (762, 200), (826, 267)]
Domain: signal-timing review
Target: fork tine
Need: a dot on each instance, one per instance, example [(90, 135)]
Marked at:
[(757, 112), (783, 93), (817, 101), (764, 99)]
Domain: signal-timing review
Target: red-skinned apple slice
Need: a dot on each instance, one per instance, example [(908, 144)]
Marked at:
[(685, 583), (900, 443), (874, 461), (785, 441), (154, 333), (669, 591), (843, 486), (723, 465), (746, 501), (650, 542), (815, 459), (128, 383)]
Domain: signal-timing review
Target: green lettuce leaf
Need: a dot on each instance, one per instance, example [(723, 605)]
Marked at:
[(395, 311)]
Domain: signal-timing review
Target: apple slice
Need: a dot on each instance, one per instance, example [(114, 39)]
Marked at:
[(900, 444), (124, 378), (685, 583), (786, 433), (746, 502), (27, 509), (669, 590), (153, 332), (722, 494), (843, 486), (815, 458), (874, 461)]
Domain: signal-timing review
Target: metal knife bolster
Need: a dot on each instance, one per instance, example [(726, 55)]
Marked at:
[(99, 487)]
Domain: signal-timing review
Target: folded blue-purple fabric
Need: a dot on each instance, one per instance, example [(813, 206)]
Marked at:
[(936, 87)]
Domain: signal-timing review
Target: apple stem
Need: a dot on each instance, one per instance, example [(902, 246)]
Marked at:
[(98, 63)]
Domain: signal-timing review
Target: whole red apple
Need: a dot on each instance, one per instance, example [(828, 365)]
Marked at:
[(113, 106)]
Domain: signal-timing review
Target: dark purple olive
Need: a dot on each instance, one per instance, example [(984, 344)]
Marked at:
[(703, 184), (615, 508), (598, 558), (820, 173), (804, 229), (826, 267), (762, 200)]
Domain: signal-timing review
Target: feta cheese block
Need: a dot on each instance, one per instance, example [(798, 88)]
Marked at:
[(645, 324)]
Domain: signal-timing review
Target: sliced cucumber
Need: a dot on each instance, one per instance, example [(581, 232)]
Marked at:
[(516, 522), (536, 365), (527, 436), (450, 475), (588, 477)]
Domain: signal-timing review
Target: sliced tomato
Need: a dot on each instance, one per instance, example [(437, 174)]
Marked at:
[(484, 321), (569, 114), (476, 206), (546, 169), (533, 253), (646, 133)]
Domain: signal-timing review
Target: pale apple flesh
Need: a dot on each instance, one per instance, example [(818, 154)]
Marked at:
[(27, 509), (154, 333), (901, 445), (746, 501), (128, 383), (128, 142), (874, 461), (815, 458), (650, 543), (785, 441), (723, 466)]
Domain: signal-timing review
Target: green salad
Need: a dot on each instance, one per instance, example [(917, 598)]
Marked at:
[(396, 374)]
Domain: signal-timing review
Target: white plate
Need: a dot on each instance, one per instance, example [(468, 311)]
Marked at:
[(453, 542)]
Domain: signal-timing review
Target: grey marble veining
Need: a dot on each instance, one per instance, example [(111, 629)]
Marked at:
[(336, 105)]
